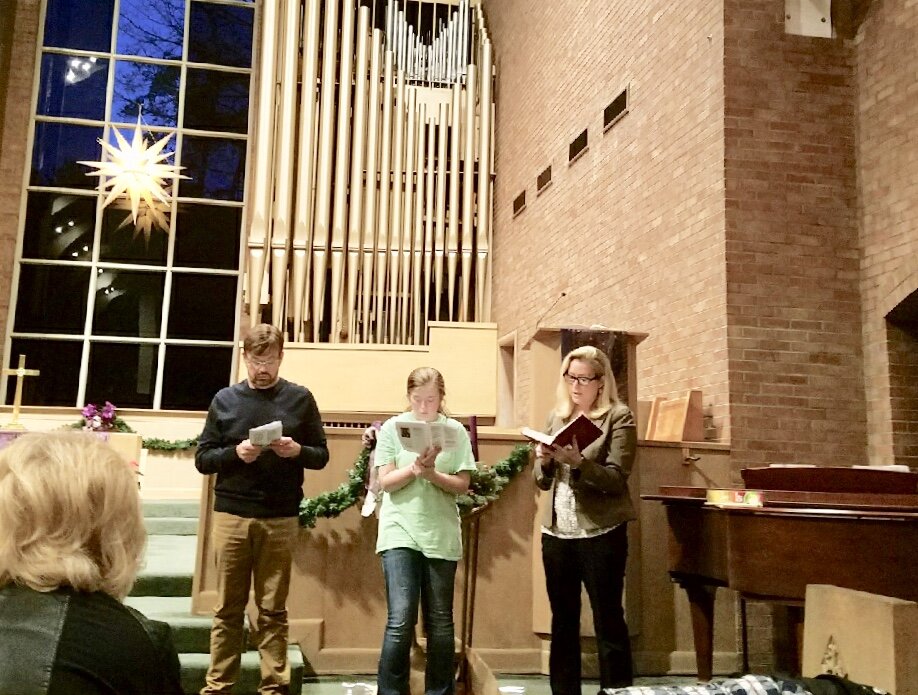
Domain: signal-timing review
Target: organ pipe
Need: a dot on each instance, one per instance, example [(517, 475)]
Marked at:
[(283, 195), (262, 189), (368, 245), (305, 159), (324, 167)]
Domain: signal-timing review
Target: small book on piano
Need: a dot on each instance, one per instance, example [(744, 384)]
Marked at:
[(735, 498), (580, 427)]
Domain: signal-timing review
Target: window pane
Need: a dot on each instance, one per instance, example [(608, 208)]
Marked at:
[(128, 303), (84, 24), (216, 168), (220, 34), (154, 88), (151, 29), (59, 225), (202, 307), (51, 299), (72, 87), (59, 364), (192, 375), (217, 100), (57, 150), (121, 242), (207, 236), (122, 373)]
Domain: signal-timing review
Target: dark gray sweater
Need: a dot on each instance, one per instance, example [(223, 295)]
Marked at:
[(271, 486)]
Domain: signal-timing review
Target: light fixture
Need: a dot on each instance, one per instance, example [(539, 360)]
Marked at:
[(138, 171)]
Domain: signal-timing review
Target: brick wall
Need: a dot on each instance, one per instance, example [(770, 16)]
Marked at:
[(13, 145), (887, 120), (633, 229), (792, 258)]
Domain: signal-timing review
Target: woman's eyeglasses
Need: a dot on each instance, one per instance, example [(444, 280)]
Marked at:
[(582, 380)]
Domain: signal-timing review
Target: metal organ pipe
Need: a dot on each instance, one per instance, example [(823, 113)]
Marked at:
[(324, 168), (305, 157), (382, 219), (284, 170), (263, 188), (355, 209), (368, 244)]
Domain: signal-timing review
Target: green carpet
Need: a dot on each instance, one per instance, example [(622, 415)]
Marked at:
[(163, 592)]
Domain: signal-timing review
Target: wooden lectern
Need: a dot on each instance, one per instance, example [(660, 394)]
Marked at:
[(548, 347)]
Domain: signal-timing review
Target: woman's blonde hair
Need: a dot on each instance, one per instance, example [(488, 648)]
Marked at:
[(70, 515), (608, 391), (426, 375)]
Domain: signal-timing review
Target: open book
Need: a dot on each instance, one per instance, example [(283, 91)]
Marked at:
[(265, 434), (580, 427), (417, 436)]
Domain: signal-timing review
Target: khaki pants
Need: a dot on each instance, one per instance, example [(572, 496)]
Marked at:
[(247, 550)]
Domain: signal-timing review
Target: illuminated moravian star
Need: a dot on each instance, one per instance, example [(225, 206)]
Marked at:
[(139, 171)]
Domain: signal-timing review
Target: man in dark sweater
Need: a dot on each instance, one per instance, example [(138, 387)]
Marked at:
[(256, 502)]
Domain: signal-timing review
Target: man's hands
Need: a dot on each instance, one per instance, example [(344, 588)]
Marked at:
[(285, 447), (247, 451)]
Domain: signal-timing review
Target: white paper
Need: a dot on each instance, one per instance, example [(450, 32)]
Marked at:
[(418, 436), (265, 434)]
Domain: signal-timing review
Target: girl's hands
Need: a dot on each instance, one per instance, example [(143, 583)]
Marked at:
[(425, 465)]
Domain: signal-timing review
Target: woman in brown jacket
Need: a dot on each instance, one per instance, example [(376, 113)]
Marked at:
[(584, 534)]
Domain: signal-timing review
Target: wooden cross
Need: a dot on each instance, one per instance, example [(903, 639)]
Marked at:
[(20, 373)]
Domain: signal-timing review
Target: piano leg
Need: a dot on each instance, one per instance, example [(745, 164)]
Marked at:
[(701, 603)]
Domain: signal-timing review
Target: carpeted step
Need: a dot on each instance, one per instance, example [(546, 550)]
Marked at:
[(190, 633), (171, 526), (168, 567), (188, 509), (194, 669)]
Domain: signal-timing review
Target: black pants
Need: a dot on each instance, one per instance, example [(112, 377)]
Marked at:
[(598, 563)]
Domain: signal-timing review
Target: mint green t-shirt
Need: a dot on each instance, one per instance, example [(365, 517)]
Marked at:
[(420, 515)]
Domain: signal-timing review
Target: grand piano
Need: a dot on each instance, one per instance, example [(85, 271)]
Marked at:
[(850, 527)]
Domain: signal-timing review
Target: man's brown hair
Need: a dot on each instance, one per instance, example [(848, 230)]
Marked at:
[(262, 339)]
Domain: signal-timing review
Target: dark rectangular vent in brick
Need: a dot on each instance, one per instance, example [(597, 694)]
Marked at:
[(543, 179), (519, 203), (615, 110), (577, 146)]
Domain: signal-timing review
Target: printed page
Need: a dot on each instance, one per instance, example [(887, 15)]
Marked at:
[(414, 436), (265, 434), (444, 436)]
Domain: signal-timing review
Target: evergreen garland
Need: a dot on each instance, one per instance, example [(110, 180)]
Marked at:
[(330, 504), (153, 444), (486, 485)]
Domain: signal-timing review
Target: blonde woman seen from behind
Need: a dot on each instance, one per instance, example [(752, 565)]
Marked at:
[(71, 543), (584, 534)]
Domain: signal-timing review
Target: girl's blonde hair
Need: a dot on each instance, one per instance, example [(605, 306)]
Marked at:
[(426, 375), (70, 515), (608, 391)]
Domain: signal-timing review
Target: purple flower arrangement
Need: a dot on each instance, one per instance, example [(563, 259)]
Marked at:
[(99, 419)]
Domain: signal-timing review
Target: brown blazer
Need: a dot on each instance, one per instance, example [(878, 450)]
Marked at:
[(600, 485)]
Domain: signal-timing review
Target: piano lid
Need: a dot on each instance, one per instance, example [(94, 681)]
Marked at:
[(832, 479)]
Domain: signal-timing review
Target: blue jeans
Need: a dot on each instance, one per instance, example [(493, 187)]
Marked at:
[(412, 578)]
